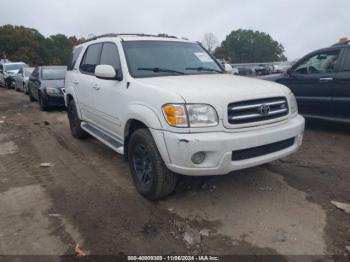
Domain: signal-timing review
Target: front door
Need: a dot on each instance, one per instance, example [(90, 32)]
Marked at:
[(108, 94), (2, 80), (341, 98), (312, 81)]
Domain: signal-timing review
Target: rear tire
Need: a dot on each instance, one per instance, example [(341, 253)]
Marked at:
[(152, 178), (75, 122), (31, 98)]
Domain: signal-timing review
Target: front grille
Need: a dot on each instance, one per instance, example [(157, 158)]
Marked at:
[(257, 110), (261, 150)]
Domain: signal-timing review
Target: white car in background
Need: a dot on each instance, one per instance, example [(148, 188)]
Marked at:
[(22, 78), (8, 72)]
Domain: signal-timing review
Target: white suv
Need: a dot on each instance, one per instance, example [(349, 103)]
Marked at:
[(169, 107)]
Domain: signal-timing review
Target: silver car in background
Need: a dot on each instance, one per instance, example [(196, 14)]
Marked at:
[(22, 78)]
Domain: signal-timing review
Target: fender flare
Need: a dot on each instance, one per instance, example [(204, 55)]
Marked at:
[(71, 93), (144, 114), (150, 119)]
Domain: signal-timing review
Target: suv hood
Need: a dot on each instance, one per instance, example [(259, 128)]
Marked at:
[(12, 72), (217, 89)]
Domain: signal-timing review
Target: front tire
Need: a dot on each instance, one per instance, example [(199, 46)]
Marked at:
[(43, 103), (152, 178), (75, 122), (25, 89)]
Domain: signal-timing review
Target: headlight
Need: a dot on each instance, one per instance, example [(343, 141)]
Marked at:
[(293, 104), (190, 115), (202, 115), (52, 91)]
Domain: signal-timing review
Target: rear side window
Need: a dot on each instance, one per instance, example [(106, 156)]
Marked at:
[(91, 59), (347, 60), (73, 58), (110, 56)]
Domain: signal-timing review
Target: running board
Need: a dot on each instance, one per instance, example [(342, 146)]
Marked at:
[(104, 138)]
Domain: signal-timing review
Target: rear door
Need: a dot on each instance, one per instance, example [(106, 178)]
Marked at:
[(85, 82), (341, 99), (312, 81), (19, 79)]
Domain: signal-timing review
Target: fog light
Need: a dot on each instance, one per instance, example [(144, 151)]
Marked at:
[(198, 158)]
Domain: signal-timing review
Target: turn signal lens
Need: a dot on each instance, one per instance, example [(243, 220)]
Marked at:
[(175, 115)]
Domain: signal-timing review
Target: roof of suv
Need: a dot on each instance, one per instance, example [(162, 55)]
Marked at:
[(138, 37)]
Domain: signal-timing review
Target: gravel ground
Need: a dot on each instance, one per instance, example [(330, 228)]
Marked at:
[(87, 197)]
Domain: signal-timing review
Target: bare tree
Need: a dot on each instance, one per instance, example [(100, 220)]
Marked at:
[(210, 42)]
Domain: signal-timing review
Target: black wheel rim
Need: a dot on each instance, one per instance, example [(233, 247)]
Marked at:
[(142, 165)]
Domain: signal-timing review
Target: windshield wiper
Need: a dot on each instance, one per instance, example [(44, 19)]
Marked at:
[(157, 69), (204, 69)]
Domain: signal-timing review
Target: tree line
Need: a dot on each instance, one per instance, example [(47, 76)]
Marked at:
[(18, 43), (245, 46)]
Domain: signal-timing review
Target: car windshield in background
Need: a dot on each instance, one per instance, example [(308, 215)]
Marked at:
[(164, 58), (11, 67), (53, 73), (28, 72)]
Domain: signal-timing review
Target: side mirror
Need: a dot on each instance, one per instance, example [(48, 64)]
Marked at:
[(106, 72), (289, 71), (228, 68)]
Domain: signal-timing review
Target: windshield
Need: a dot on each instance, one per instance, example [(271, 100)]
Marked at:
[(28, 72), (53, 73), (11, 67), (164, 58)]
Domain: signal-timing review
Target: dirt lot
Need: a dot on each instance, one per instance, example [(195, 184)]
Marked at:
[(87, 197)]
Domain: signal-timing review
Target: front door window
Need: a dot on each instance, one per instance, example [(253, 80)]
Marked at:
[(319, 64)]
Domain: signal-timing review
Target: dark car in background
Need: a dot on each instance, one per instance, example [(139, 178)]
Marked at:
[(245, 71), (321, 82), (46, 85)]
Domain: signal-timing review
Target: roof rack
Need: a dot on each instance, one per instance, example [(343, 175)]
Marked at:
[(126, 34)]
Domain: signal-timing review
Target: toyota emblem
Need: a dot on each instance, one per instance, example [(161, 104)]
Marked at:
[(264, 109)]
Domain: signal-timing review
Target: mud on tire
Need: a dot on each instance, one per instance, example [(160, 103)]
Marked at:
[(75, 122), (152, 178)]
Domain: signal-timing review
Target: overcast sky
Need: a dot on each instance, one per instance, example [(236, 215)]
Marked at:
[(300, 25)]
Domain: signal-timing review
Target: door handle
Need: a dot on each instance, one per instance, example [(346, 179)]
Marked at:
[(326, 79), (76, 82), (96, 87)]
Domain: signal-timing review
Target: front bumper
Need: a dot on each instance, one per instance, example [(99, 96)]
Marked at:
[(219, 147), (55, 100)]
